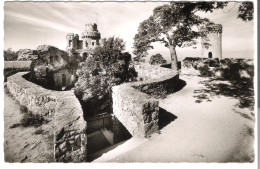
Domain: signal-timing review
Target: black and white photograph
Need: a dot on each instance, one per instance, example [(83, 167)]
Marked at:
[(129, 82)]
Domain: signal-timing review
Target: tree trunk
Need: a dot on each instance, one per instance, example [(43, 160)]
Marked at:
[(174, 59)]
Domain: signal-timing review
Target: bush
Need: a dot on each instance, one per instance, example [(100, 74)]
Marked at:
[(10, 55), (108, 66), (157, 59), (205, 71), (30, 119)]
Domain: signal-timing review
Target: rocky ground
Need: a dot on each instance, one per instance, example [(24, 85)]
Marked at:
[(25, 144), (209, 120)]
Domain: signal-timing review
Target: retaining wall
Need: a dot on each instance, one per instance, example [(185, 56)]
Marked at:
[(137, 109), (70, 139)]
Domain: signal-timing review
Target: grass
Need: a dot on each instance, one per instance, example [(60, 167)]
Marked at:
[(12, 67), (17, 65)]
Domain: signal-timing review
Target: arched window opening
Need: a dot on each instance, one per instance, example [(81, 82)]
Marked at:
[(86, 44), (210, 54), (70, 43)]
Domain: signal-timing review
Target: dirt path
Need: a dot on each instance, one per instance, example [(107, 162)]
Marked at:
[(210, 127), (23, 144)]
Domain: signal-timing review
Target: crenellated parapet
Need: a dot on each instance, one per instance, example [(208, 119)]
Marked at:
[(92, 35), (90, 39), (216, 28)]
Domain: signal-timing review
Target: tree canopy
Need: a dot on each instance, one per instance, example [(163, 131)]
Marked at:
[(246, 11), (157, 59), (108, 66), (10, 55), (178, 24)]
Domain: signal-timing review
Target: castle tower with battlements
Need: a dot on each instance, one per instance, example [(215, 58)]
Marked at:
[(211, 45), (90, 39)]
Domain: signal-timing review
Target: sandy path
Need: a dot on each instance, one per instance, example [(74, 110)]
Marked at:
[(22, 144), (211, 131)]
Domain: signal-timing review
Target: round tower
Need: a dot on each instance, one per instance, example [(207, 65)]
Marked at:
[(90, 36), (211, 45)]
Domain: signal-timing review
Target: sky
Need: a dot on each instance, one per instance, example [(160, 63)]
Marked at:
[(30, 24)]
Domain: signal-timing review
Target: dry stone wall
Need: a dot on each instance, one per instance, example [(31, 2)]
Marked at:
[(147, 72), (63, 108), (137, 110), (228, 68)]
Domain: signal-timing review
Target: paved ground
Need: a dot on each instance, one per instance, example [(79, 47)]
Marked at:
[(206, 126)]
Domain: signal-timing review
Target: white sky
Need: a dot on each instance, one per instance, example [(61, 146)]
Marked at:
[(29, 24)]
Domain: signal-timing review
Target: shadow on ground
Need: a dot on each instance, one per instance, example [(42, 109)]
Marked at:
[(239, 89), (165, 118), (180, 86)]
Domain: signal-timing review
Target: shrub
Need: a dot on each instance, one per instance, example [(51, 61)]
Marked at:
[(108, 66), (157, 59), (205, 71), (30, 119), (10, 55)]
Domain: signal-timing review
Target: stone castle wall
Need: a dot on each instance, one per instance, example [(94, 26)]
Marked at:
[(136, 110), (69, 133)]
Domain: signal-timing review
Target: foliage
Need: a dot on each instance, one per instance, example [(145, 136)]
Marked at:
[(205, 71), (108, 66), (157, 59), (30, 119), (246, 11), (174, 24), (10, 55)]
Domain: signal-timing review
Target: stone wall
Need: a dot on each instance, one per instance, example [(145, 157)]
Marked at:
[(63, 108), (136, 110), (228, 68), (146, 71)]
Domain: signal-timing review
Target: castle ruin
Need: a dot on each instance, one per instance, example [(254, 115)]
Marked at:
[(90, 39)]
